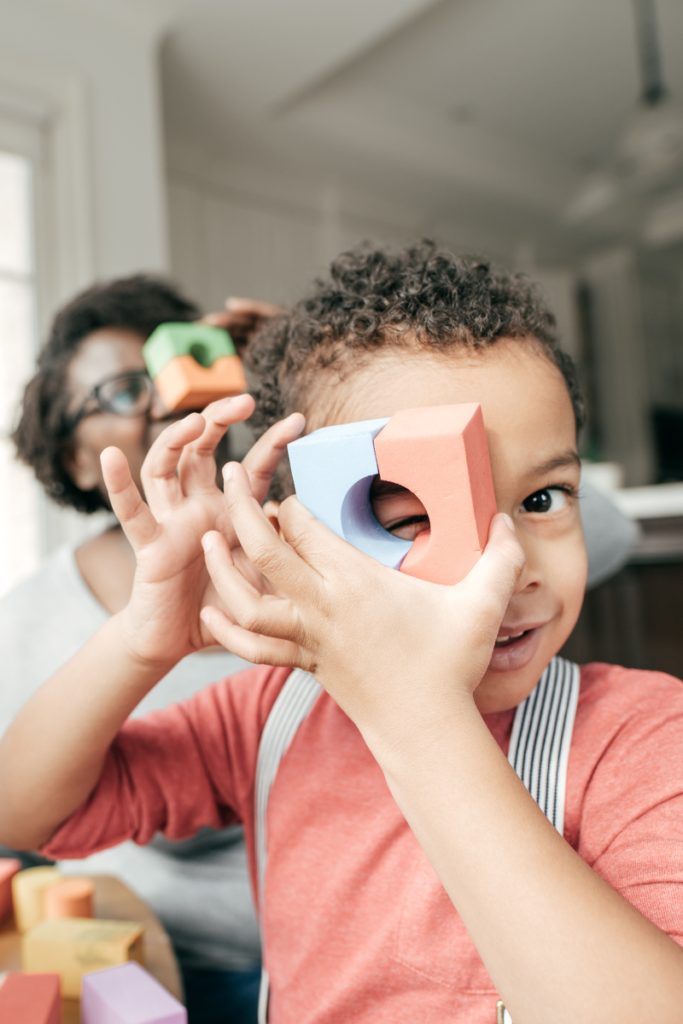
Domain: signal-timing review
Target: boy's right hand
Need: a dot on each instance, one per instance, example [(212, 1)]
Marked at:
[(161, 623)]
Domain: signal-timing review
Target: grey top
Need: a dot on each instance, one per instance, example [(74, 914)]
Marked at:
[(199, 889)]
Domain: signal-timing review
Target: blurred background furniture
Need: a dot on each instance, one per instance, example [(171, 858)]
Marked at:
[(635, 618)]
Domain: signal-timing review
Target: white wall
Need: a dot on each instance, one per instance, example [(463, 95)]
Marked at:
[(117, 69), (247, 230), (251, 231)]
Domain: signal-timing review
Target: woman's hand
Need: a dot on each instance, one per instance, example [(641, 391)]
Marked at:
[(242, 318), (385, 645), (161, 621)]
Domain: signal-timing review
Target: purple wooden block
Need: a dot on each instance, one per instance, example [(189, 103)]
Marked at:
[(128, 995)]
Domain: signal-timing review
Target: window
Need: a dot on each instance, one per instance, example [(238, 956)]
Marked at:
[(45, 258), (19, 501)]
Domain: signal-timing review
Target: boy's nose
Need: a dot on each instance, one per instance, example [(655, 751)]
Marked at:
[(530, 578)]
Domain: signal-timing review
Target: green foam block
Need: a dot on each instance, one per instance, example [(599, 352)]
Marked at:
[(204, 343)]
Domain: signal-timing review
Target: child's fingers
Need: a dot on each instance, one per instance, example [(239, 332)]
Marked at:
[(260, 650), (319, 546), (139, 525), (159, 470), (259, 541), (493, 579), (266, 455), (197, 467), (258, 613)]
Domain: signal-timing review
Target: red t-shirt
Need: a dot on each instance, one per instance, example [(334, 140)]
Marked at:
[(357, 926)]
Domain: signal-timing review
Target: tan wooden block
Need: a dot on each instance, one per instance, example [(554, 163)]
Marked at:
[(185, 384), (9, 866), (72, 947), (28, 889)]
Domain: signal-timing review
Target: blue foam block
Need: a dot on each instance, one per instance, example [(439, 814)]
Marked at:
[(333, 470)]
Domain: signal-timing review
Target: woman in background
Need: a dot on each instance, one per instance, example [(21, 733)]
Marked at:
[(92, 390)]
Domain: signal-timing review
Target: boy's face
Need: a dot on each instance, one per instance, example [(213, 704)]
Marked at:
[(532, 443)]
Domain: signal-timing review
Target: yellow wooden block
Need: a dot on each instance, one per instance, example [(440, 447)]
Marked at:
[(27, 895), (74, 946)]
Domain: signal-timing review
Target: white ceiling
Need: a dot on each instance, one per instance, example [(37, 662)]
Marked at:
[(485, 111)]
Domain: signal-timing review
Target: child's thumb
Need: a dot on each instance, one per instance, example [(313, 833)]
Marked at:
[(497, 572)]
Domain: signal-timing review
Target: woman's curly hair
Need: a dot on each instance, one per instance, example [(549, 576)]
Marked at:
[(373, 298), (139, 304)]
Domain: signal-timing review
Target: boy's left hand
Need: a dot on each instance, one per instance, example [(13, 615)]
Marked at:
[(381, 642)]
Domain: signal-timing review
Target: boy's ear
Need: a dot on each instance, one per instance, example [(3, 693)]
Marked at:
[(272, 510)]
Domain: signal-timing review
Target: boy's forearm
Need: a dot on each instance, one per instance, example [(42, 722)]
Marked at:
[(52, 756), (540, 917)]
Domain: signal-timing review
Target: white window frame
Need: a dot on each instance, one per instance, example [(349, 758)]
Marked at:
[(48, 104)]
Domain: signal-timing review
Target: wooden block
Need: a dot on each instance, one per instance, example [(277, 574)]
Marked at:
[(441, 455), (333, 469), (27, 893), (74, 946), (184, 384), (30, 999), (70, 898), (128, 995), (9, 866)]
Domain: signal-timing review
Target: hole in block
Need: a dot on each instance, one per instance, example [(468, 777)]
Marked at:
[(398, 510), (200, 353)]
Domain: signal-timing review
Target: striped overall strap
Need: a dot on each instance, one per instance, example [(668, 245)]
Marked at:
[(539, 746), (542, 735), (293, 703), (539, 753)]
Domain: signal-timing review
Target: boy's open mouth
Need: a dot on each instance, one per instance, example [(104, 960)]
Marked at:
[(514, 647), (505, 641)]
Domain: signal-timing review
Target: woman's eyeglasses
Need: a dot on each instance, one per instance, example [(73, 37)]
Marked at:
[(125, 394)]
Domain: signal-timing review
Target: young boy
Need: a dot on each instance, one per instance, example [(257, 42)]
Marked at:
[(409, 873)]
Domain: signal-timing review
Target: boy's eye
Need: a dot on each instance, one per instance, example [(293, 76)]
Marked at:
[(408, 529), (398, 510), (549, 499)]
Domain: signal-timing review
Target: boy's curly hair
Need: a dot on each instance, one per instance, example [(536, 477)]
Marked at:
[(139, 304), (422, 295)]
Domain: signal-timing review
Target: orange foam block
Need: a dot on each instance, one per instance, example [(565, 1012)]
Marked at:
[(8, 869), (30, 999), (186, 384), (441, 455), (70, 898)]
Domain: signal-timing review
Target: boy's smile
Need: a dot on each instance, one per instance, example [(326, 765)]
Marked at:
[(531, 435)]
